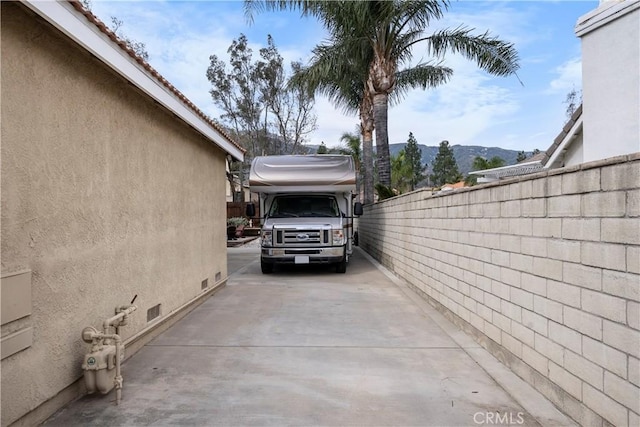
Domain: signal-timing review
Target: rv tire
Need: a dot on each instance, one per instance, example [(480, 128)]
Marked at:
[(341, 267), (267, 268)]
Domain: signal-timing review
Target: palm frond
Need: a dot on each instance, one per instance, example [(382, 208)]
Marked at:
[(422, 76), (488, 52), (337, 74)]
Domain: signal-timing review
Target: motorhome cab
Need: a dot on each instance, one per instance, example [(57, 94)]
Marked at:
[(308, 209)]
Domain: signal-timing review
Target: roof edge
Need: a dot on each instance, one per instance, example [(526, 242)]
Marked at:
[(511, 170), (71, 18), (605, 12)]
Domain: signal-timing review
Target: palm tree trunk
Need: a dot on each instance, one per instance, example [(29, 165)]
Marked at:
[(380, 116), (367, 125), (367, 160)]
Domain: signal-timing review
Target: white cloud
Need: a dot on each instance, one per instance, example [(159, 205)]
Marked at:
[(473, 108), (569, 77)]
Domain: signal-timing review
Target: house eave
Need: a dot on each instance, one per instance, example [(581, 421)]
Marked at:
[(605, 13), (64, 17), (566, 142)]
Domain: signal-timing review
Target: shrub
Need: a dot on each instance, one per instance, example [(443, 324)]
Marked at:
[(237, 221)]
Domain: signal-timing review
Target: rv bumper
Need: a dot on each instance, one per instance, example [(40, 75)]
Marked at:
[(303, 255)]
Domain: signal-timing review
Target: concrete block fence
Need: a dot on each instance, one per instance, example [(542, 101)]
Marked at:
[(542, 270)]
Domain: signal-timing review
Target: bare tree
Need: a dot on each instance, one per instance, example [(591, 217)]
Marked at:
[(291, 104), (116, 24), (573, 100), (265, 114), (237, 93)]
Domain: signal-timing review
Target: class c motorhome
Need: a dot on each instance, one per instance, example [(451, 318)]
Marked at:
[(307, 203)]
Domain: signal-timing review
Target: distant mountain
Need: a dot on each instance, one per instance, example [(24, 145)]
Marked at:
[(464, 154)]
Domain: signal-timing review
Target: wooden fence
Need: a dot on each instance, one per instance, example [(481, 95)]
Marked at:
[(235, 209)]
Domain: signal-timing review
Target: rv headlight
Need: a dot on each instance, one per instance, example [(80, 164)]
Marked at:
[(266, 238), (338, 238)]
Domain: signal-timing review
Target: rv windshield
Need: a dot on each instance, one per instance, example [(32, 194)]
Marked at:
[(304, 206)]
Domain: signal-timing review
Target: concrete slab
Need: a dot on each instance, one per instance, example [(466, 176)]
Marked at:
[(307, 346)]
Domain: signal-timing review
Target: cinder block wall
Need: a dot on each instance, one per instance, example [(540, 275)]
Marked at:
[(543, 271)]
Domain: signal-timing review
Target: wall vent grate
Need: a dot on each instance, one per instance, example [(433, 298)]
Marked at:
[(218, 276), (153, 312), (205, 284)]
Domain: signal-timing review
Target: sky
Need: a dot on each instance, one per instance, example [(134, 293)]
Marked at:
[(518, 113)]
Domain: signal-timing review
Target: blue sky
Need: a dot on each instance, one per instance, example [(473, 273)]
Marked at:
[(472, 109)]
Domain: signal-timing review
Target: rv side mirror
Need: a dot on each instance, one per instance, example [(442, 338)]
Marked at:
[(357, 209), (251, 210)]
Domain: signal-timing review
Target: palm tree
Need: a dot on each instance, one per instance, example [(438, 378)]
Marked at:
[(392, 29), (343, 82), (352, 149), (399, 27)]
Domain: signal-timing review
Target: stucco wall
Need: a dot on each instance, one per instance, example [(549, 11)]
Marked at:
[(544, 271), (611, 80), (105, 196)]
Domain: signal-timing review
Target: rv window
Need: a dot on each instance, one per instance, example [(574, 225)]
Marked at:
[(304, 206)]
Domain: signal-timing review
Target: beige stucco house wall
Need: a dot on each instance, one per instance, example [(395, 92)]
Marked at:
[(113, 185)]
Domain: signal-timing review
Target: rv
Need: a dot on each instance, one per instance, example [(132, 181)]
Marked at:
[(307, 208)]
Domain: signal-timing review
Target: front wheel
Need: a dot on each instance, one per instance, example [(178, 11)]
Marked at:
[(341, 267), (266, 267)]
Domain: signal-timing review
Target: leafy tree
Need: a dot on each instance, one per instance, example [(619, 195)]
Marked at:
[(480, 163), (237, 93), (413, 158), (269, 116), (264, 113), (445, 168), (384, 192), (407, 169), (391, 29), (322, 149), (401, 172)]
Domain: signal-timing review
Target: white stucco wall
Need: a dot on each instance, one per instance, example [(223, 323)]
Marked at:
[(611, 79), (575, 152)]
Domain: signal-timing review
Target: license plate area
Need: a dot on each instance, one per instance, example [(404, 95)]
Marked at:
[(301, 259)]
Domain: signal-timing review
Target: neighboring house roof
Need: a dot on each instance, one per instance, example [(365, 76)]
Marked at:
[(545, 159), (459, 184), (84, 28), (564, 139), (451, 187), (512, 170)]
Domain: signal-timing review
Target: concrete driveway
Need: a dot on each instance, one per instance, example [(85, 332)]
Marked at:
[(307, 346)]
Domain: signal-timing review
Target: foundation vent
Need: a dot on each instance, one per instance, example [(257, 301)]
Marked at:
[(153, 312), (205, 284), (218, 276)]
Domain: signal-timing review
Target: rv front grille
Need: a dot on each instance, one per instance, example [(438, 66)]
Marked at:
[(302, 237)]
